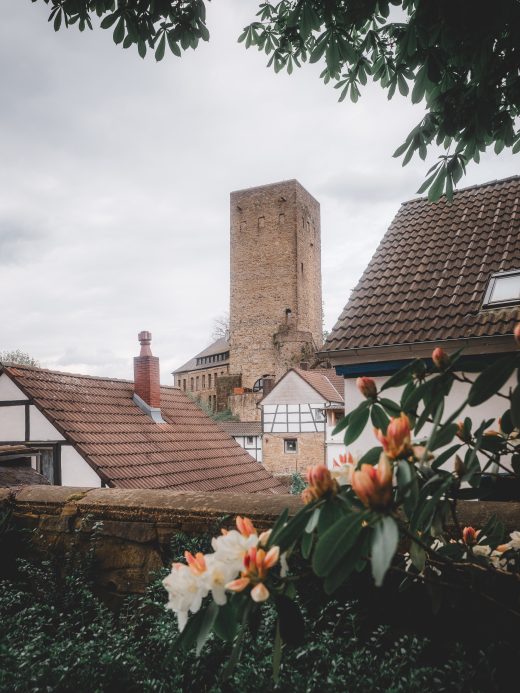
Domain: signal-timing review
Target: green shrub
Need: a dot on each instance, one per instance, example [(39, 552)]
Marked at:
[(56, 635)]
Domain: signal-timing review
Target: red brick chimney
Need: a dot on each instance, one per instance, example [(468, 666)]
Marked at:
[(146, 373)]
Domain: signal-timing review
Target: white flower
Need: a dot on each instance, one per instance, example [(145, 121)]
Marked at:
[(342, 474), (230, 548), (185, 592), (482, 550), (284, 566), (217, 574), (515, 541)]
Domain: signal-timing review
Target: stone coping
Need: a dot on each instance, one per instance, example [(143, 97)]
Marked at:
[(158, 505)]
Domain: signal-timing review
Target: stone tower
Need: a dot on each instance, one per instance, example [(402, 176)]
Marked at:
[(275, 308)]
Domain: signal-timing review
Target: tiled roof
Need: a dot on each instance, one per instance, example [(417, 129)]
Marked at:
[(325, 381), (427, 279), (242, 428), (220, 346), (128, 450)]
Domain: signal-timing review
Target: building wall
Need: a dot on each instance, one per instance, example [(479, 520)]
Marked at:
[(75, 471), (253, 445), (275, 265), (196, 383), (310, 451), (493, 408), (245, 406), (334, 444)]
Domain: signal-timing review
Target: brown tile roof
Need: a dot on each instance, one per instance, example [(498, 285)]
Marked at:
[(128, 450), (241, 428), (325, 381), (427, 279), (220, 346)]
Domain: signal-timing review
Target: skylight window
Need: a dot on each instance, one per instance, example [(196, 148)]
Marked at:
[(503, 289)]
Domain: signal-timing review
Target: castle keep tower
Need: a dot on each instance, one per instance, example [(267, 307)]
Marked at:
[(275, 308)]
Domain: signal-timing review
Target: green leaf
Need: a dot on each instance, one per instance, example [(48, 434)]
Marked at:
[(292, 625), (331, 511), (333, 544), (445, 456), (57, 20), (379, 418), (343, 423), (226, 624), (492, 534), (357, 422), (313, 521), (407, 485), (109, 20), (492, 379), (206, 626), (159, 53), (350, 563), (119, 31), (401, 377), (417, 556), (385, 538), (506, 422), (515, 463), (293, 529), (371, 457), (174, 46), (306, 545), (277, 527), (443, 436)]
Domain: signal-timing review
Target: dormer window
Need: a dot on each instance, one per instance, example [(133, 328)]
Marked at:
[(503, 289)]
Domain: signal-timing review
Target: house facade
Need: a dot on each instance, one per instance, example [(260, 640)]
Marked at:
[(248, 434), (92, 432), (444, 275), (296, 416)]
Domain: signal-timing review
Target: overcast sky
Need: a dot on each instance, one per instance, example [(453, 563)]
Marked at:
[(115, 176)]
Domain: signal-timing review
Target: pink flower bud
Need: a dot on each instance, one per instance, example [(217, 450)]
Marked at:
[(367, 387), (469, 536), (517, 334), (440, 359)]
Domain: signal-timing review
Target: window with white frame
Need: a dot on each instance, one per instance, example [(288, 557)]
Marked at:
[(503, 289)]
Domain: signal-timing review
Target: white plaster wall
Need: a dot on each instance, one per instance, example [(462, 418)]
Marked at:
[(254, 448), (292, 389), (12, 423), (40, 427), (8, 390), (493, 408), (75, 471), (334, 444)]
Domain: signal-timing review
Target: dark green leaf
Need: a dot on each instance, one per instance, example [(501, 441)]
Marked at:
[(290, 619), (371, 457), (443, 436), (401, 377), (119, 31), (385, 538), (379, 418), (492, 379), (333, 544), (206, 626), (349, 563), (159, 52), (515, 406), (445, 456), (109, 20), (357, 422)]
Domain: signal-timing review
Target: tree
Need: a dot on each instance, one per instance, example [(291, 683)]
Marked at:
[(221, 327), (18, 356), (459, 57)]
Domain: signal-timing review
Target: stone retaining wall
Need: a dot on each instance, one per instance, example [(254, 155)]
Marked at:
[(134, 528)]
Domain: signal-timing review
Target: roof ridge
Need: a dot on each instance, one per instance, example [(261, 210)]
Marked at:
[(488, 183), (85, 376)]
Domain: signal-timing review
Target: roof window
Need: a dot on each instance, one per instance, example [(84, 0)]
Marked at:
[(503, 289)]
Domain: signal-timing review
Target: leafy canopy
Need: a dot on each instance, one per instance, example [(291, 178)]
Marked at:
[(458, 57)]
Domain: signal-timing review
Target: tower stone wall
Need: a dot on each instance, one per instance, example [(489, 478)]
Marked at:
[(275, 306)]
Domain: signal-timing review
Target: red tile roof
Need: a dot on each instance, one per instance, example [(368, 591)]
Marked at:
[(128, 450), (325, 381), (427, 279)]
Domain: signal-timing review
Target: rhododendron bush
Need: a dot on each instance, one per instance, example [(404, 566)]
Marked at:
[(393, 511)]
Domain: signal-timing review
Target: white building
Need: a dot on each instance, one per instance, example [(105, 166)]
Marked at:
[(444, 275), (248, 434), (298, 416)]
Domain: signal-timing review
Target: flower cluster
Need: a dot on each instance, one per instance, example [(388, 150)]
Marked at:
[(234, 552), (396, 441), (320, 483), (373, 485)]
